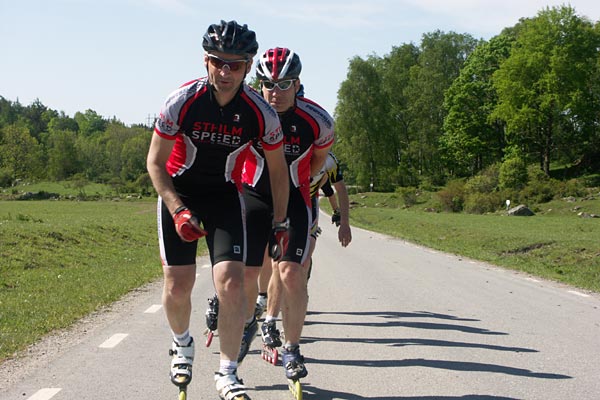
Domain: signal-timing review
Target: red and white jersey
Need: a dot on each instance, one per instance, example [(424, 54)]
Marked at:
[(305, 127), (211, 142)]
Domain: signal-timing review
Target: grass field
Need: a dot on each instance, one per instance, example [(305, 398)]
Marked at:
[(556, 243), (61, 260)]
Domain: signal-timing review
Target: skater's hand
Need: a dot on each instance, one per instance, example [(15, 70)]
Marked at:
[(187, 226), (278, 240), (336, 217)]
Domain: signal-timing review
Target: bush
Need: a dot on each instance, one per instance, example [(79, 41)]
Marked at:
[(541, 188), (572, 187), (6, 179), (484, 182), (408, 195), (592, 180), (452, 197), (513, 174), (481, 203)]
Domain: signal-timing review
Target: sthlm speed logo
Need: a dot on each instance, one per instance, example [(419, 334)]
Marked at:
[(291, 145), (222, 134)]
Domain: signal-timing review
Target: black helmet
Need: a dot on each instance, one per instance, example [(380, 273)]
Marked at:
[(231, 38), (278, 63)]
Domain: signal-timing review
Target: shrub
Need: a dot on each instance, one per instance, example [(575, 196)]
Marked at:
[(452, 197), (592, 180), (513, 174), (541, 188), (6, 179), (480, 203), (408, 195), (572, 187), (484, 182)]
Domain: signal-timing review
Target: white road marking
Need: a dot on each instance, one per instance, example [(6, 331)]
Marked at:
[(579, 293), (113, 340), (152, 309), (44, 394)]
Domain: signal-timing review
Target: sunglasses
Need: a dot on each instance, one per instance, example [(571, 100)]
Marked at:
[(282, 85), (232, 65)]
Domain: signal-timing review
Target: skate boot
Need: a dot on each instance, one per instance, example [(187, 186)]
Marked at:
[(270, 334), (247, 338), (271, 340), (261, 306), (212, 313), (181, 363), (293, 362), (230, 387)]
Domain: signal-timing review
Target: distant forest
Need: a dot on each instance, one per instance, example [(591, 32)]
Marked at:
[(451, 108)]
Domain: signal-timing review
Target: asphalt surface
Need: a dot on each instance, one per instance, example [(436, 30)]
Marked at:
[(387, 320)]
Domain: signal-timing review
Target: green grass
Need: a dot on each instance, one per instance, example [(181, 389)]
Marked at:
[(62, 260), (64, 188), (555, 244)]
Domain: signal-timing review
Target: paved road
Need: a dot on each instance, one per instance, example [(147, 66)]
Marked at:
[(387, 320)]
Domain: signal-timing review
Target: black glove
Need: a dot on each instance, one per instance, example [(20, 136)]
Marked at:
[(279, 238), (336, 217)]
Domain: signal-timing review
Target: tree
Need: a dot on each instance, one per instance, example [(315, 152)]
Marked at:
[(395, 78), (441, 58), (359, 114), (63, 160), (471, 139), (19, 152), (90, 122), (543, 86)]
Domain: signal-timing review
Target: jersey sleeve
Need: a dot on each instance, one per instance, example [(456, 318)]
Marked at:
[(333, 169), (166, 125)]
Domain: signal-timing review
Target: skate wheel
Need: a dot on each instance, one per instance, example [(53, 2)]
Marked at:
[(209, 338), (182, 394), (295, 389), (275, 357)]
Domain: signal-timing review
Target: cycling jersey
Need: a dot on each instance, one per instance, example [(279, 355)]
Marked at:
[(334, 174), (305, 127), (332, 167), (211, 141)]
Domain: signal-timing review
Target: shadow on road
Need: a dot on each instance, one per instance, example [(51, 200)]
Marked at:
[(310, 392), (441, 364), (393, 316), (400, 342)]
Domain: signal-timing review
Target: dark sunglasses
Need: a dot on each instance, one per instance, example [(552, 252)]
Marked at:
[(282, 85), (233, 65)]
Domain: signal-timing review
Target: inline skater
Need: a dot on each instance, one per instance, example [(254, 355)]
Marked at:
[(200, 141), (308, 136)]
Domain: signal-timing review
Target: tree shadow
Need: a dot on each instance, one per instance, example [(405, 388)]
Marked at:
[(442, 364), (394, 314), (417, 325), (398, 342), (393, 320), (311, 392)]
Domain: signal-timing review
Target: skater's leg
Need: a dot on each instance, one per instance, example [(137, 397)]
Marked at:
[(295, 298), (229, 276)]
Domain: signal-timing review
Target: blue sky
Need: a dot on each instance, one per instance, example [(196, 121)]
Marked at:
[(122, 58)]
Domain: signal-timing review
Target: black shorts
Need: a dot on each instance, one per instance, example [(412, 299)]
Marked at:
[(221, 213), (259, 218)]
